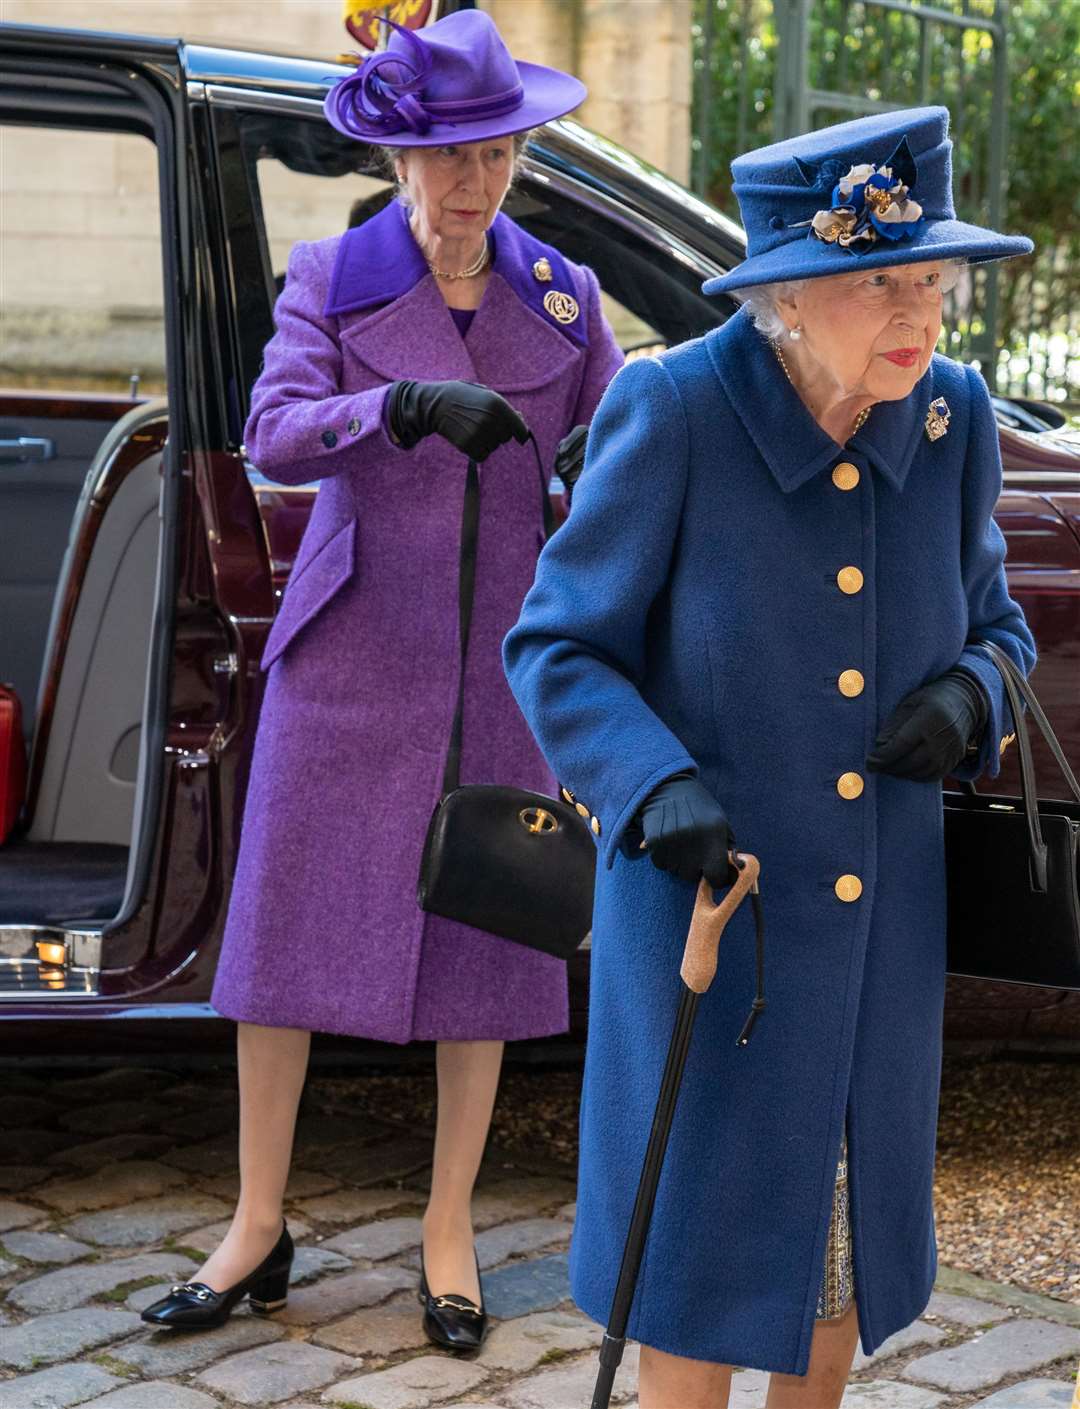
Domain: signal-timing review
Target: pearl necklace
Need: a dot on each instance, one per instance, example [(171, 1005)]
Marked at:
[(860, 419), (476, 267)]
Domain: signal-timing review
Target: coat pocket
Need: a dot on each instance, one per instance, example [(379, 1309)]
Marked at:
[(315, 580)]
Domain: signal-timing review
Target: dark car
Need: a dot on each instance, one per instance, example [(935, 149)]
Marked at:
[(159, 187)]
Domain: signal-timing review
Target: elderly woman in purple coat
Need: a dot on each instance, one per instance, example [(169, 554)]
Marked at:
[(436, 332)]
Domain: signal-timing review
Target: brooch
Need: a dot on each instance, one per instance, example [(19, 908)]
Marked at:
[(868, 202), (562, 307), (937, 418), (542, 270)]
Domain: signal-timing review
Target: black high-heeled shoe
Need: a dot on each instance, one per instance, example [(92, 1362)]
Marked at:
[(193, 1306), (452, 1321)]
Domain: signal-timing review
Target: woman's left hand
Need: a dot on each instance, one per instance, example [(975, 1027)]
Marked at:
[(928, 732), (570, 457)]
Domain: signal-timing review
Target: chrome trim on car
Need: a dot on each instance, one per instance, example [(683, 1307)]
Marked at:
[(1063, 477), (252, 98), (25, 972)]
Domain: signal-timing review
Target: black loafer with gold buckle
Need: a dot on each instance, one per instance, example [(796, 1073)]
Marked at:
[(452, 1321), (193, 1306)]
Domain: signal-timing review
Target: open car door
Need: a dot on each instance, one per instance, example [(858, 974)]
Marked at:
[(120, 525)]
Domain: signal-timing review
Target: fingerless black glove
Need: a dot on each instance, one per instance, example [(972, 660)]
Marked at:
[(929, 732), (570, 457), (685, 831), (474, 418)]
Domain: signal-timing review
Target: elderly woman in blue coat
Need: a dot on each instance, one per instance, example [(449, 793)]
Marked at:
[(762, 621)]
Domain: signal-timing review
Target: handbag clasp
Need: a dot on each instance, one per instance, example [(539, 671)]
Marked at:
[(538, 819)]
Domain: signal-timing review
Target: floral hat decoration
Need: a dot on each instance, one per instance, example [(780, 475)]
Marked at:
[(872, 192), (454, 81)]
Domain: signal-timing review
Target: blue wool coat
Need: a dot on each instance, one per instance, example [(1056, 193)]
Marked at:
[(690, 616)]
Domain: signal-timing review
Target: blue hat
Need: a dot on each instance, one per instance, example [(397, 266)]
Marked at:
[(862, 194)]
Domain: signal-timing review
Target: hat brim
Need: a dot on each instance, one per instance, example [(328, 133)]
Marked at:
[(549, 93), (812, 258)]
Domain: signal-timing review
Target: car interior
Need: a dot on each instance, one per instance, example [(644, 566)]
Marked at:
[(83, 427)]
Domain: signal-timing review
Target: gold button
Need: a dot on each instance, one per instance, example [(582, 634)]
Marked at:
[(595, 825), (567, 795), (849, 785), (581, 809), (850, 683), (848, 887), (845, 476), (849, 580)]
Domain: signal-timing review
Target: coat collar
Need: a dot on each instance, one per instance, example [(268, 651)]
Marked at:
[(379, 261), (790, 441)]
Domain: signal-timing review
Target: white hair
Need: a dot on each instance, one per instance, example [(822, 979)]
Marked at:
[(762, 302)]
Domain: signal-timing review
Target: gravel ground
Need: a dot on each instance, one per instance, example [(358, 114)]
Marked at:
[(1007, 1185)]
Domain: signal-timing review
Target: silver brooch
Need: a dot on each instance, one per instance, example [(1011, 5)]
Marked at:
[(937, 418)]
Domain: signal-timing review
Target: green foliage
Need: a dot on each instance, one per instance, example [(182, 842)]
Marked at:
[(860, 49)]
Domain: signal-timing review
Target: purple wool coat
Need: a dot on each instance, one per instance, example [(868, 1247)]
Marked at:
[(324, 932)]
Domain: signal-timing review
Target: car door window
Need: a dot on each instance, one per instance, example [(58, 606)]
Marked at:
[(81, 301)]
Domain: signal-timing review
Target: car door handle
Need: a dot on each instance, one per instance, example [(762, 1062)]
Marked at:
[(27, 447)]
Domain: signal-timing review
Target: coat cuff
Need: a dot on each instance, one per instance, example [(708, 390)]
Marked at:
[(998, 733), (611, 832)]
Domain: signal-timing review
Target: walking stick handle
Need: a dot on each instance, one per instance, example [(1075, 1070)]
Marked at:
[(708, 922)]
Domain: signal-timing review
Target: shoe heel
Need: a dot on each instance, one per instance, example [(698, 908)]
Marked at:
[(270, 1293)]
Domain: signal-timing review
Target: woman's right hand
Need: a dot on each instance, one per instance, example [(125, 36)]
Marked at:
[(471, 417), (685, 831)]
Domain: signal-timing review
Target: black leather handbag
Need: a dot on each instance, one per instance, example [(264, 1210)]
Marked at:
[(1013, 865), (516, 863)]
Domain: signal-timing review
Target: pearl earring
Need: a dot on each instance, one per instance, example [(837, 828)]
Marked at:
[(795, 333)]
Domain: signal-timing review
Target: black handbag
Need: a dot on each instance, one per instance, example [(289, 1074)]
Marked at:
[(516, 863), (1013, 865)]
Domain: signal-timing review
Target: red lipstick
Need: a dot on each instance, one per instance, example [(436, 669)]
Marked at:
[(904, 356)]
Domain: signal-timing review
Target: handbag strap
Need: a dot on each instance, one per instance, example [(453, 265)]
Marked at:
[(1023, 686), (1017, 689), (470, 525)]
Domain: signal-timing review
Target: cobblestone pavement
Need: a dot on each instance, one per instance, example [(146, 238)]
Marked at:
[(117, 1183)]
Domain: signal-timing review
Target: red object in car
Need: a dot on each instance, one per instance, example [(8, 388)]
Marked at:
[(12, 761)]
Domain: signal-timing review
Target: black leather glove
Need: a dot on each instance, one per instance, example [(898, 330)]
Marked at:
[(685, 831), (929, 731), (472, 417), (570, 457)]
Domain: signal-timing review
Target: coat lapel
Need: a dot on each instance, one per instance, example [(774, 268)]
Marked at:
[(513, 349), (414, 336), (788, 438)]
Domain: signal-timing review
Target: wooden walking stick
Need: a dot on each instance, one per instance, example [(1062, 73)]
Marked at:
[(697, 973)]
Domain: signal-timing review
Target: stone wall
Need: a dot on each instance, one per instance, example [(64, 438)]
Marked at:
[(632, 55)]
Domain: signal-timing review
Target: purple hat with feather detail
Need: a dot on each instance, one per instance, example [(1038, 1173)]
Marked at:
[(455, 81)]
